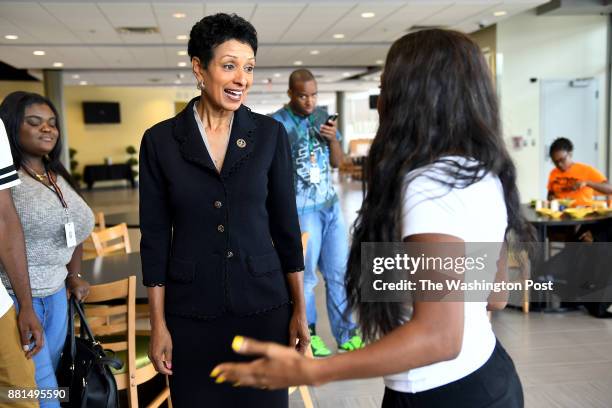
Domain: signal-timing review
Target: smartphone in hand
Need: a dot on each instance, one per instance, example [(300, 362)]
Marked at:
[(331, 118)]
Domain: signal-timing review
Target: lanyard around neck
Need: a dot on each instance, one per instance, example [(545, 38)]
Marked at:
[(54, 186)]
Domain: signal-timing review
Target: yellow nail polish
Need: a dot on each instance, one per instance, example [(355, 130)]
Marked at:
[(220, 379), (237, 343), (214, 372)]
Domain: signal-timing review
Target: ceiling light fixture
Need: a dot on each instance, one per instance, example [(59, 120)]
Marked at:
[(338, 36), (277, 75), (58, 64), (83, 83), (380, 62), (11, 37), (182, 64), (346, 74), (182, 53), (177, 81), (179, 15), (297, 62), (315, 52), (368, 14), (181, 37), (500, 13), (76, 76), (39, 53)]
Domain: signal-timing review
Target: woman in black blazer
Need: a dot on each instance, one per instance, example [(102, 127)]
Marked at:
[(221, 246)]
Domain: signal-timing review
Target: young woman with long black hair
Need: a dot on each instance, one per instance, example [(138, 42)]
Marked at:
[(438, 172)]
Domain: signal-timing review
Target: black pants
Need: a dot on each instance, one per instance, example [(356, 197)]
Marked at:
[(494, 385)]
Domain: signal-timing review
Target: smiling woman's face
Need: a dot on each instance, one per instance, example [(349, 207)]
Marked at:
[(229, 74), (38, 133)]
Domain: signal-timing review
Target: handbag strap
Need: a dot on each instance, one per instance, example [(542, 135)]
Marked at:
[(72, 337), (84, 323)]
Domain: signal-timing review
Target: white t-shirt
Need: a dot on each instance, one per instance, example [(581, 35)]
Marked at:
[(475, 214), (8, 178)]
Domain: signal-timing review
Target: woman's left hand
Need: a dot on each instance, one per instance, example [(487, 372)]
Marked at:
[(278, 367), (299, 336), (77, 287)]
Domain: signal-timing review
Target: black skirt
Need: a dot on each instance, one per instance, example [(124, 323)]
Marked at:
[(199, 345)]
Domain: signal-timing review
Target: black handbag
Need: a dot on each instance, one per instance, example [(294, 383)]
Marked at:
[(85, 367)]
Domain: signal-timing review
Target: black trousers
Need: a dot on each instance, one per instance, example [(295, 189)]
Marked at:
[(198, 346), (494, 385)]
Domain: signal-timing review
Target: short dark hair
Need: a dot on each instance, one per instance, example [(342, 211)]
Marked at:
[(12, 111), (214, 30), (300, 75), (561, 144)]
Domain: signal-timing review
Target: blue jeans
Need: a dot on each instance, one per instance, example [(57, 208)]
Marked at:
[(52, 311), (327, 248)]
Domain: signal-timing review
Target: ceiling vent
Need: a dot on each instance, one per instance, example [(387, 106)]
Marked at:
[(138, 30)]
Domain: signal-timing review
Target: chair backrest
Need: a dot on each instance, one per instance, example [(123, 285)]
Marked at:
[(100, 221), (116, 321), (359, 147), (103, 239)]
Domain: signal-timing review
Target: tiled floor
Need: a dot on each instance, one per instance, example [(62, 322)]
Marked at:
[(564, 360)]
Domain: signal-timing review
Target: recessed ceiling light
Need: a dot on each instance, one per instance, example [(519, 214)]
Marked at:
[(83, 83), (179, 15), (58, 64), (11, 37), (181, 75), (265, 81), (500, 13), (182, 53), (277, 75), (181, 37), (76, 76), (338, 36), (38, 53), (182, 64), (380, 62), (346, 74), (368, 14), (315, 52), (177, 81), (297, 62)]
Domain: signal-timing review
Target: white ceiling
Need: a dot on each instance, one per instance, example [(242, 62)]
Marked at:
[(82, 34)]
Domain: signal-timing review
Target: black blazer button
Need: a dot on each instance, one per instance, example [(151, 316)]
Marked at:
[(220, 228), (229, 254), (218, 204)]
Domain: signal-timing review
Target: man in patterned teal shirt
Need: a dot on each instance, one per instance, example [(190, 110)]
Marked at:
[(315, 147)]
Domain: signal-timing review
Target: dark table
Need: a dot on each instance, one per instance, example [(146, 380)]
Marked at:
[(542, 222), (106, 269), (102, 172), (131, 218)]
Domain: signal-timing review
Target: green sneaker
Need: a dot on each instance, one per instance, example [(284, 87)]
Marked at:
[(319, 348), (351, 344)]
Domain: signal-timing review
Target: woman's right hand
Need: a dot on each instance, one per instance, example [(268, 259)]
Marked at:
[(160, 350)]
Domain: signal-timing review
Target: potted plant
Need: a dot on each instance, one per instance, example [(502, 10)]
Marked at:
[(132, 160), (73, 166)]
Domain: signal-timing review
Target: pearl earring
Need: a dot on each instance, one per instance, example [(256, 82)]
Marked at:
[(200, 85)]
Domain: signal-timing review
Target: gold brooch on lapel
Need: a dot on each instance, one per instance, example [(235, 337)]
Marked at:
[(241, 143)]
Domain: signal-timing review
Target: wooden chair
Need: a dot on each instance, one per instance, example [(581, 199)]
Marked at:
[(102, 240), (89, 250), (304, 391), (521, 262), (115, 328)]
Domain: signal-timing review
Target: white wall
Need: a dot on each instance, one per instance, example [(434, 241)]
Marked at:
[(545, 47)]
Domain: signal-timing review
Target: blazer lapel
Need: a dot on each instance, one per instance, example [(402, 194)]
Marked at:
[(241, 142), (188, 135)]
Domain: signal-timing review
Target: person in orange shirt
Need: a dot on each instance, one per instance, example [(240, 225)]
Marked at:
[(571, 180)]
